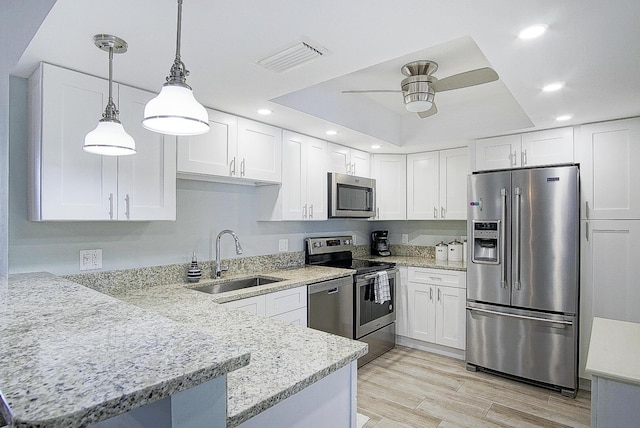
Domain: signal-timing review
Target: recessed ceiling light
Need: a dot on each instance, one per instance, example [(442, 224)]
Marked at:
[(375, 146), (331, 132), (555, 86), (563, 117), (264, 111), (533, 31)]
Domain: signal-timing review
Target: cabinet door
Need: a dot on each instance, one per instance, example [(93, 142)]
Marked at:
[(253, 305), (294, 179), (283, 301), (339, 159), (421, 311), (316, 179), (360, 163), (422, 186), (498, 152), (390, 172), (549, 147), (609, 275), (67, 182), (259, 151), (450, 317), (402, 302), (454, 168), (146, 180), (213, 153), (609, 155)]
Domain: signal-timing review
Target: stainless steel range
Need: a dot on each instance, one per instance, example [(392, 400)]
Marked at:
[(350, 309)]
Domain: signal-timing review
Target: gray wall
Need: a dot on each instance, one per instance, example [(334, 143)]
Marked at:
[(203, 210)]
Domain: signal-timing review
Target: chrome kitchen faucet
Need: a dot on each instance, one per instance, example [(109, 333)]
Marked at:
[(220, 269)]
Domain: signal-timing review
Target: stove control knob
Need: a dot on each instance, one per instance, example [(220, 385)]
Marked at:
[(347, 242), (317, 244)]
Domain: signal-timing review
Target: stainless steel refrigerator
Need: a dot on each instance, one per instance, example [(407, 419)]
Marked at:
[(523, 275)]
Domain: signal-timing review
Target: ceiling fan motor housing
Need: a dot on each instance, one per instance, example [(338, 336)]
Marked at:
[(417, 92)]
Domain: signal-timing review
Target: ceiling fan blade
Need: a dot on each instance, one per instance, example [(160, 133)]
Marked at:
[(433, 110), (372, 91), (466, 79)]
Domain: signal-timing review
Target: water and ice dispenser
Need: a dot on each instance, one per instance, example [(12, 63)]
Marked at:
[(486, 242)]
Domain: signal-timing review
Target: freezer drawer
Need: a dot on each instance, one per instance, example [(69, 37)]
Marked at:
[(532, 345)]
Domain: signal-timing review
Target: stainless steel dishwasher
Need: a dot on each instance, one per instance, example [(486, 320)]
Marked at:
[(330, 306)]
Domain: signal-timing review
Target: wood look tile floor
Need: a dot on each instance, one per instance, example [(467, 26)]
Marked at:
[(410, 388)]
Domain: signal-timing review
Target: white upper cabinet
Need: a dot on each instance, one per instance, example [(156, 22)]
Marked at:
[(67, 183), (146, 180), (548, 147), (235, 150), (213, 153), (349, 161), (609, 155), (259, 151), (437, 185), (303, 193), (390, 172)]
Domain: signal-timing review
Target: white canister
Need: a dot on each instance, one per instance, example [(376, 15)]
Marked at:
[(455, 251), (441, 251)]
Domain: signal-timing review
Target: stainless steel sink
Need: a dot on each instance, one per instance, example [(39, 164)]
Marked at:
[(236, 284)]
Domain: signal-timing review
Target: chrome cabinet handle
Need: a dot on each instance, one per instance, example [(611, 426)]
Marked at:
[(242, 168), (586, 209), (523, 157), (378, 213), (516, 240), (332, 291), (232, 166), (435, 212), (304, 211), (354, 168), (347, 166), (442, 212), (586, 227), (431, 294), (127, 200), (439, 291), (503, 239), (311, 211), (111, 206)]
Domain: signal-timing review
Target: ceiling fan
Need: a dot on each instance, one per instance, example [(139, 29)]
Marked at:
[(420, 87)]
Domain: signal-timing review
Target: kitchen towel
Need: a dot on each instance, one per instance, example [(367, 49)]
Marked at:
[(381, 286)]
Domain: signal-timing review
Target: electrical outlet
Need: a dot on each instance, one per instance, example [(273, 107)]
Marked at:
[(90, 259), (283, 245), (405, 238)]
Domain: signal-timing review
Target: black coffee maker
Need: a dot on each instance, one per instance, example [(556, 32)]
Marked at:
[(380, 243)]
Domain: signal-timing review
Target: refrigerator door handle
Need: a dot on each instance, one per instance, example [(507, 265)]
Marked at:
[(525, 317), (503, 239), (516, 238)]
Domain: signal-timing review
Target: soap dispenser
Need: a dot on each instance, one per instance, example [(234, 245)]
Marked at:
[(194, 273)]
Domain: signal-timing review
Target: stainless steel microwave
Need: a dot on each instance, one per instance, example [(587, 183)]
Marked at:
[(351, 196)]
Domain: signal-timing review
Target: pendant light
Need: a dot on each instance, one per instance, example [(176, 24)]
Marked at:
[(175, 111), (109, 138)]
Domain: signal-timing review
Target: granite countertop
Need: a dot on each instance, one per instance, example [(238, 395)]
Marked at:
[(614, 349), (72, 356), (284, 358), (421, 261)]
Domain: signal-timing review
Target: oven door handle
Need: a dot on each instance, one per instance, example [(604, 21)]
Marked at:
[(373, 275)]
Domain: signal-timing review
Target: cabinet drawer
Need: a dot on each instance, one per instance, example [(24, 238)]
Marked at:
[(285, 301), (437, 276)]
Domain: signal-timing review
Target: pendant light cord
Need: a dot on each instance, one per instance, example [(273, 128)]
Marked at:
[(178, 73)]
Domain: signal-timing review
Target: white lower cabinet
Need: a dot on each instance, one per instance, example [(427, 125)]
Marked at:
[(287, 305), (436, 306)]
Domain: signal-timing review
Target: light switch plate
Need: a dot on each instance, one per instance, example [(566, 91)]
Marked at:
[(405, 238), (90, 259), (283, 245)]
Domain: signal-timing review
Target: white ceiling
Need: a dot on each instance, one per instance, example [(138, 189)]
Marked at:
[(592, 45)]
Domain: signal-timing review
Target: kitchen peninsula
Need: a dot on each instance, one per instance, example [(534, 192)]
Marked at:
[(74, 356)]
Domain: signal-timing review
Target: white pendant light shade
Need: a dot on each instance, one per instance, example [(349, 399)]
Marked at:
[(110, 139), (175, 111)]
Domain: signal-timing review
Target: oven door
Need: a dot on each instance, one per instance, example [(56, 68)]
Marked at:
[(371, 316)]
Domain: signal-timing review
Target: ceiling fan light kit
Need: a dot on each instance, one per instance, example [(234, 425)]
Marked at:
[(175, 110), (419, 87), (109, 137)]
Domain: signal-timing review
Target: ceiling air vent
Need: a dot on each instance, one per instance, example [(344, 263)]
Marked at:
[(291, 57)]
